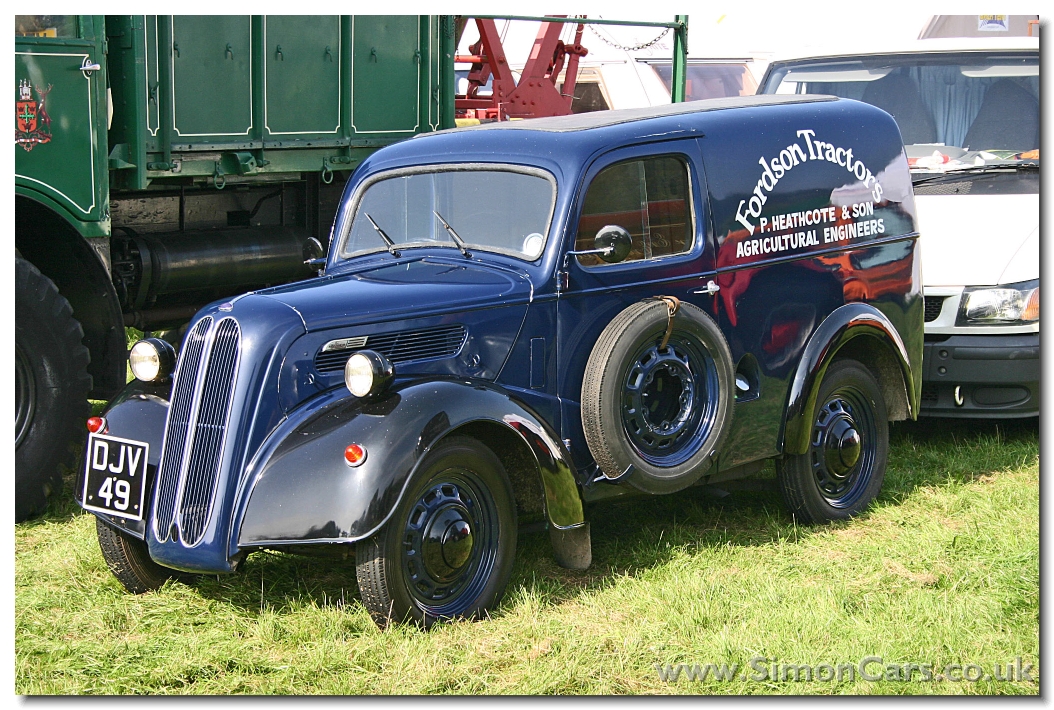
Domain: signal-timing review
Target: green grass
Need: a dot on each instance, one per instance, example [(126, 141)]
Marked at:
[(943, 569)]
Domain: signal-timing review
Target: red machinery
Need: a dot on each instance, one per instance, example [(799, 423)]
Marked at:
[(536, 94)]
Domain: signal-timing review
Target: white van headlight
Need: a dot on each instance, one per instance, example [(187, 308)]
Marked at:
[(1013, 303)]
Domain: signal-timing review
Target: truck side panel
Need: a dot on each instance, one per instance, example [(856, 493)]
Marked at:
[(243, 96)]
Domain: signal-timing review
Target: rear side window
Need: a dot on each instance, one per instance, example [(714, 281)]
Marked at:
[(649, 198)]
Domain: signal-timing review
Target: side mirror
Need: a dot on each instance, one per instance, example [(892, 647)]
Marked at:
[(314, 255), (613, 243)]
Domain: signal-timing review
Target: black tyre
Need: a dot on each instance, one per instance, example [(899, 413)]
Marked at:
[(448, 549), (51, 388), (849, 444), (128, 559), (657, 415)]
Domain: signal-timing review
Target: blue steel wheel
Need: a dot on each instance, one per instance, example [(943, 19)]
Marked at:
[(655, 415), (448, 550), (849, 443)]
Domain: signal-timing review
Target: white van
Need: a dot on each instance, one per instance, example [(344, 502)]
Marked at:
[(968, 111)]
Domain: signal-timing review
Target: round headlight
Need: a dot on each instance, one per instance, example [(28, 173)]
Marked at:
[(152, 360), (367, 373)]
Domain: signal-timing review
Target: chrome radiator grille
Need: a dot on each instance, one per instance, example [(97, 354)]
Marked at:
[(194, 434)]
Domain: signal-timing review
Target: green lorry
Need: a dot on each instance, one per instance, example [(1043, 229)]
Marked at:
[(163, 162)]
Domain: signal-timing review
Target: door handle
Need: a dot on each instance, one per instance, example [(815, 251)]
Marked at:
[(710, 289), (88, 66)]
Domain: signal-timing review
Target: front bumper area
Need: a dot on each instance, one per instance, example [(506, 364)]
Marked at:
[(981, 376)]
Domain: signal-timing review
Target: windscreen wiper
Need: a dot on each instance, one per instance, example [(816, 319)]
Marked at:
[(387, 240), (974, 170), (453, 235)]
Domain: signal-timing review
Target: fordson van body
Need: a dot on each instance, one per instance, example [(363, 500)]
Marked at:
[(517, 320), (968, 110)]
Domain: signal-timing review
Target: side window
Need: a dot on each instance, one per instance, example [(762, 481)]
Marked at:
[(46, 26), (650, 198)]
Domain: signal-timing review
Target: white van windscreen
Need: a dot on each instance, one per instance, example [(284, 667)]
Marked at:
[(953, 110)]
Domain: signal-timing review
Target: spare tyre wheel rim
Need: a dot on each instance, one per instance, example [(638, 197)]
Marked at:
[(25, 395), (842, 450), (668, 400)]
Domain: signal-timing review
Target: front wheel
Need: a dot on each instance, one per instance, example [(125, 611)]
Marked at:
[(849, 443), (448, 549), (129, 561)]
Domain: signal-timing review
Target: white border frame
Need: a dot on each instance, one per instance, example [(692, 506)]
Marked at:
[(142, 488), (92, 135)]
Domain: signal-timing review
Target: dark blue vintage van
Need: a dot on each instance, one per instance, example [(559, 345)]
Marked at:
[(518, 319)]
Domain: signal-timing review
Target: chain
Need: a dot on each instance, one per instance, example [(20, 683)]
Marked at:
[(606, 41)]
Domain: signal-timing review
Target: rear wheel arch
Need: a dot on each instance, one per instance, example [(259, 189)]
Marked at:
[(855, 331), (877, 355), (48, 240)]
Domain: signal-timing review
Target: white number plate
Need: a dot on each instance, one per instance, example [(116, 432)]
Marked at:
[(115, 476)]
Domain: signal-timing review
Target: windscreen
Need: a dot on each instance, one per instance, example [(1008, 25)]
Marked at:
[(501, 210), (954, 110)]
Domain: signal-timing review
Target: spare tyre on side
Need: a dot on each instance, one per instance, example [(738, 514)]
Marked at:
[(655, 408)]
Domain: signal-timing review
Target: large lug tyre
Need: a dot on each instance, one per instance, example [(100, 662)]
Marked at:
[(656, 416), (129, 561), (848, 447), (448, 549), (51, 388)]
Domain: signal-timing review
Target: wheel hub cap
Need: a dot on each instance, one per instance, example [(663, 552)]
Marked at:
[(447, 543), (841, 446)]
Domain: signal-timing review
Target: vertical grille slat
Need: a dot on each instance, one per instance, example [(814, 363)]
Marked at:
[(177, 428), (204, 458)]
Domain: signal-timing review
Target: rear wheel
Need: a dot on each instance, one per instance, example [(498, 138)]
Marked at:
[(128, 559), (849, 443), (448, 549), (51, 388)]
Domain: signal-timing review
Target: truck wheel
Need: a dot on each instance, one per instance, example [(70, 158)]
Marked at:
[(448, 549), (842, 472), (51, 388), (657, 415), (128, 559)]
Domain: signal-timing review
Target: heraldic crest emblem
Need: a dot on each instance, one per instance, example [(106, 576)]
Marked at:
[(32, 123)]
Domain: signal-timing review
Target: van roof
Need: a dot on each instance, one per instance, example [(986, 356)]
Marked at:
[(598, 119), (942, 45)]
